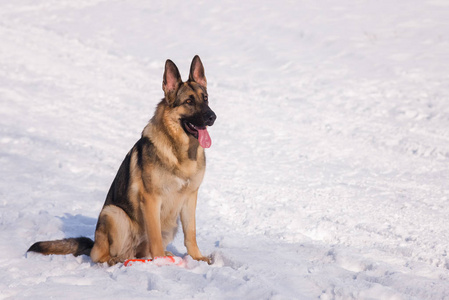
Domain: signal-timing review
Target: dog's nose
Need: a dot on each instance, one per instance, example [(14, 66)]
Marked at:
[(210, 118)]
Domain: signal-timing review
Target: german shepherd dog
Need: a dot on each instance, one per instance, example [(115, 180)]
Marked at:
[(158, 181)]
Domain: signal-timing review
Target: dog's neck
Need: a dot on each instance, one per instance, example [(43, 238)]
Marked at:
[(174, 146)]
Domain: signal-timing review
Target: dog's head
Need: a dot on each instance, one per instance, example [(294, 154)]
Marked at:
[(188, 101)]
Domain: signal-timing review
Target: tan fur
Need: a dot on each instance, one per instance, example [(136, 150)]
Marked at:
[(158, 182), (173, 192)]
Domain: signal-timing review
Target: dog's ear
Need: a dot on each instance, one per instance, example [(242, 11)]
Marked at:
[(197, 72), (171, 81)]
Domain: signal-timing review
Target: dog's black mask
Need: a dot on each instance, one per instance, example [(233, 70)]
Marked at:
[(195, 125)]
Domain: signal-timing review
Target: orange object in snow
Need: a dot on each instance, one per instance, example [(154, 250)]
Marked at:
[(158, 261)]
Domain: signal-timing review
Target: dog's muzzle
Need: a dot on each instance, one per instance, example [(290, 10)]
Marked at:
[(209, 117)]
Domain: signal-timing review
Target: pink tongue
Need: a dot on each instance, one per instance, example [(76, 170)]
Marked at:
[(204, 138)]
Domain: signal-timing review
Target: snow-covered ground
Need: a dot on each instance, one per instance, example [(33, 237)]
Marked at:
[(328, 176)]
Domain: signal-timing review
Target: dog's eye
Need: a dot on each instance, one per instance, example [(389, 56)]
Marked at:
[(189, 101), (206, 98)]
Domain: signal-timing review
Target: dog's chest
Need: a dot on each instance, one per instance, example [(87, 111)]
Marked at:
[(179, 183), (176, 192)]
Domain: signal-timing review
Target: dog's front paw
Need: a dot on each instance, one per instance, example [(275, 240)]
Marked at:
[(204, 258)]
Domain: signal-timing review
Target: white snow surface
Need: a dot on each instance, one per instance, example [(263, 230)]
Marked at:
[(328, 172)]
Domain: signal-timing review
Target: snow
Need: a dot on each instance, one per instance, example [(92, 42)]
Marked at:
[(328, 172)]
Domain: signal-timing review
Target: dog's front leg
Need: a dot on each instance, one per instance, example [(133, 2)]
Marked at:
[(152, 216), (189, 228)]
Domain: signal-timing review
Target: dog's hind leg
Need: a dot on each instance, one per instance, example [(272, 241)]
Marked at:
[(100, 251), (114, 237)]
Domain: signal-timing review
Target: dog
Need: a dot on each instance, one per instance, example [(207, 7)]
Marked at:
[(158, 181)]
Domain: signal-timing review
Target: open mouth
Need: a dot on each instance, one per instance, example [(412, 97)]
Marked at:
[(199, 133), (190, 128)]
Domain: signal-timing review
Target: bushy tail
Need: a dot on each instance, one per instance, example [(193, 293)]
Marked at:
[(75, 246)]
